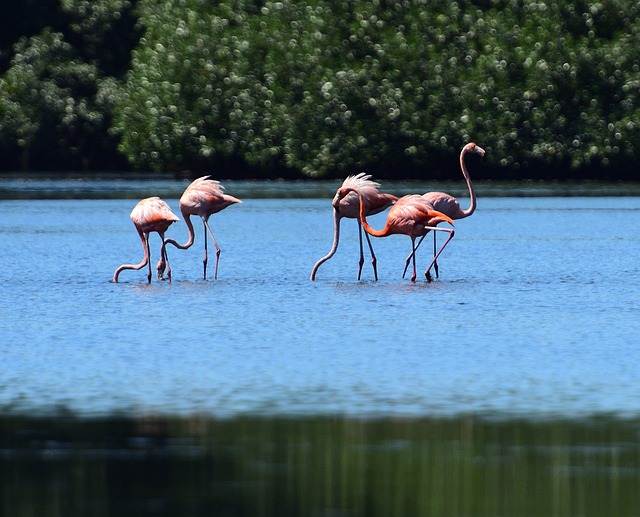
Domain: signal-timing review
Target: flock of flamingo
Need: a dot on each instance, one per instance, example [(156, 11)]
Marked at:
[(414, 215)]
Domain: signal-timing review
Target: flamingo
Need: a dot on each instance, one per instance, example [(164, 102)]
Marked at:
[(410, 215), (204, 197), (449, 205), (151, 215), (349, 206)]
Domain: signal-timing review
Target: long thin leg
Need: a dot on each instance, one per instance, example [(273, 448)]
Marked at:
[(451, 233), (413, 255), (164, 257), (215, 243), (435, 246), (374, 260), (162, 264), (406, 262), (146, 238), (206, 254), (361, 261)]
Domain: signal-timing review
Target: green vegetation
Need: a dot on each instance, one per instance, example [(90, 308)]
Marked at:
[(261, 88), (59, 81)]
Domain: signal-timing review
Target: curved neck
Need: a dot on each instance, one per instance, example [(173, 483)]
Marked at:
[(145, 259), (192, 235), (472, 194), (334, 246), (363, 219)]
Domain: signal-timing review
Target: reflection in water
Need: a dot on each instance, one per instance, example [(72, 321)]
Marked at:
[(319, 466)]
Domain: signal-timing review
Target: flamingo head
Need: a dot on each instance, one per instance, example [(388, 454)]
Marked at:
[(342, 193), (474, 148)]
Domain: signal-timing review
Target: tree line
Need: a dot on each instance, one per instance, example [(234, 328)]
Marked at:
[(251, 88)]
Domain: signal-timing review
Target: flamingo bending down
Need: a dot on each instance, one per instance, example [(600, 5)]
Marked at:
[(449, 205), (203, 197), (151, 215), (412, 216), (349, 206)]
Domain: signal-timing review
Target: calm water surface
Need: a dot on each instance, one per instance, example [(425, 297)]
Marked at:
[(535, 314), (509, 387)]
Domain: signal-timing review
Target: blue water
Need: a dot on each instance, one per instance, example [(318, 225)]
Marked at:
[(535, 314)]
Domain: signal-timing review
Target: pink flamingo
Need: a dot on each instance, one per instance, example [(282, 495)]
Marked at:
[(410, 215), (203, 197), (151, 215), (449, 205), (349, 206)]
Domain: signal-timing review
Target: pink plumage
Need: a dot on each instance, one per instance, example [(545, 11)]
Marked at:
[(349, 206), (151, 214), (203, 197)]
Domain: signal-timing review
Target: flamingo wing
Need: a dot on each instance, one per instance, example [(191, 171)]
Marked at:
[(412, 213), (374, 200), (205, 196), (153, 215)]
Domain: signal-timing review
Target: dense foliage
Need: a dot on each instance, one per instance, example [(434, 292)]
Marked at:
[(57, 90), (330, 87)]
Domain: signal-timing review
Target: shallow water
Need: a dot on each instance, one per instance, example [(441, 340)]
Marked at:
[(507, 387), (535, 314)]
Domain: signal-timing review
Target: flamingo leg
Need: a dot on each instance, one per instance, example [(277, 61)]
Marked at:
[(435, 263), (361, 261), (148, 249), (162, 264), (413, 255), (374, 260), (406, 262), (165, 259), (215, 271), (206, 254), (451, 233)]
